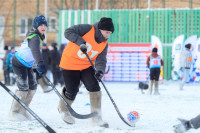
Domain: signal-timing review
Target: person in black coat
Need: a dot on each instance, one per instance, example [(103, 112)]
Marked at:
[(41, 80), (55, 61), (62, 47), (6, 68), (45, 55)]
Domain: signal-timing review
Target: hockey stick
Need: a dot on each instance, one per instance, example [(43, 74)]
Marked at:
[(107, 70), (48, 128), (72, 112), (45, 82), (116, 108)]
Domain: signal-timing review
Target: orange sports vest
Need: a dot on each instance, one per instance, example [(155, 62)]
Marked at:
[(72, 57)]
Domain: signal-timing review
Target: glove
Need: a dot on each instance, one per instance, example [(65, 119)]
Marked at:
[(99, 75), (83, 48), (182, 127), (41, 69)]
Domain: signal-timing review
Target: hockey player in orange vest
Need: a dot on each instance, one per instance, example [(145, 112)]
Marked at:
[(76, 66)]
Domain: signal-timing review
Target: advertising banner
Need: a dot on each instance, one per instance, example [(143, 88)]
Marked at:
[(127, 62)]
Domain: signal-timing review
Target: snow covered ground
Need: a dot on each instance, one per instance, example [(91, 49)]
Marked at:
[(157, 113)]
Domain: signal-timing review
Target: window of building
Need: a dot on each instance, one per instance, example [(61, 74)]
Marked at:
[(52, 24), (1, 26), (25, 24)]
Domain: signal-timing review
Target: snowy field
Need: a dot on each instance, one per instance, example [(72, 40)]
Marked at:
[(157, 113)]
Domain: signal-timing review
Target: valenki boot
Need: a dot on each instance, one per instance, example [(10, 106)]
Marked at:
[(156, 92), (95, 101), (17, 111), (150, 87), (44, 87), (64, 112), (27, 101)]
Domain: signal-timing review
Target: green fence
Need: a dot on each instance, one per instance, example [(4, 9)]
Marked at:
[(137, 26)]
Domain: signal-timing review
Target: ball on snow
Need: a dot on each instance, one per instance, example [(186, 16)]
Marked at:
[(133, 116)]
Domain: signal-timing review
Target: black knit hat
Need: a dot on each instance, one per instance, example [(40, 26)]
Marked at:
[(188, 46), (155, 50), (106, 24)]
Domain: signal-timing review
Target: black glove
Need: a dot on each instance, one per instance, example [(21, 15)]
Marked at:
[(41, 69), (83, 48), (99, 75)]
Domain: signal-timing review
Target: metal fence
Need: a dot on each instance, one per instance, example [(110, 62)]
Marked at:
[(137, 26)]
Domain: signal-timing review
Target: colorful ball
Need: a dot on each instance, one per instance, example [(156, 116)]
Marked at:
[(133, 116)]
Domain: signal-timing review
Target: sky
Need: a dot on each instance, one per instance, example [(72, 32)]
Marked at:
[(158, 113)]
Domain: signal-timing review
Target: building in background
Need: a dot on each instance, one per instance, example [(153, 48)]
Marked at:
[(16, 15)]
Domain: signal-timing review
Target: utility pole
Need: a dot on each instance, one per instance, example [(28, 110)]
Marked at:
[(14, 23), (137, 4), (191, 4), (46, 15), (38, 7), (61, 4), (163, 3), (149, 4), (111, 4), (86, 4), (97, 4)]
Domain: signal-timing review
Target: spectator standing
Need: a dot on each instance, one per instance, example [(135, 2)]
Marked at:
[(41, 80), (5, 67), (186, 63), (46, 58), (55, 60), (9, 65), (154, 63)]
